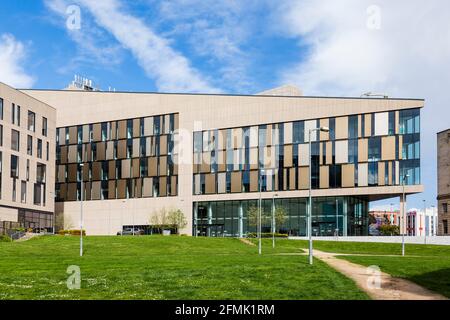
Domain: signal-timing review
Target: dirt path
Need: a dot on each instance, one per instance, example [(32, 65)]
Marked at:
[(378, 285)]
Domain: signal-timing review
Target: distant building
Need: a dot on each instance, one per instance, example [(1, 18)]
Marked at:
[(422, 224), (380, 218), (443, 172)]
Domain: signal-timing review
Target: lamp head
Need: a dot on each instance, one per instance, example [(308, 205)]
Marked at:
[(324, 129)]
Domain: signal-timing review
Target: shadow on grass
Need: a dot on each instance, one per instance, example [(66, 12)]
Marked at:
[(437, 281)]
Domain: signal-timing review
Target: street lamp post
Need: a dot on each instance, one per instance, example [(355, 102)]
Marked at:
[(81, 212), (323, 129), (337, 218), (273, 219), (259, 211), (425, 220), (403, 214)]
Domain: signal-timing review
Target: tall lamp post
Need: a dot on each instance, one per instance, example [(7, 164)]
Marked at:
[(259, 211), (323, 129), (273, 219), (425, 220), (81, 212), (403, 214)]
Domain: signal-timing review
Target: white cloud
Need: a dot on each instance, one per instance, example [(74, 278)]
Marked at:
[(12, 56), (170, 69), (407, 57), (216, 31)]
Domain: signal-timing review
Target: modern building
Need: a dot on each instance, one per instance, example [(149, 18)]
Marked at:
[(27, 161), (209, 155), (443, 172), (422, 223)]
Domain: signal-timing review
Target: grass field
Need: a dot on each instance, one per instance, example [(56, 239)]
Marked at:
[(156, 267), (426, 265)]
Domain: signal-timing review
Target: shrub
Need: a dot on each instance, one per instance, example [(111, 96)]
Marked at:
[(389, 230), (5, 239), (71, 232), (266, 235)]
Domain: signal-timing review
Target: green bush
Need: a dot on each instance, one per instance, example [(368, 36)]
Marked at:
[(266, 235), (389, 230), (71, 232), (5, 239)]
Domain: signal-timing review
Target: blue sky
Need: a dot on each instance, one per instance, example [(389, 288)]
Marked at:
[(325, 47)]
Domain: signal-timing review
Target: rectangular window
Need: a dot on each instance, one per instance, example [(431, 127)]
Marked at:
[(47, 151), (23, 192), (391, 129), (44, 126), (445, 207), (31, 121), (15, 115), (15, 140), (14, 190), (39, 148), (1, 135), (37, 194), (409, 121), (14, 166), (28, 170), (40, 173), (298, 132), (353, 127), (374, 148), (445, 224), (1, 109), (30, 145)]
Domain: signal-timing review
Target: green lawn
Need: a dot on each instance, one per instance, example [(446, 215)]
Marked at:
[(156, 267), (426, 265)]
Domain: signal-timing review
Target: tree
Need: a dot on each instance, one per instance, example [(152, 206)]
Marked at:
[(389, 230), (177, 219), (159, 219), (280, 215), (253, 216)]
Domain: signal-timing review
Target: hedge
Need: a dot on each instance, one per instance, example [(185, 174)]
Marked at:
[(71, 232)]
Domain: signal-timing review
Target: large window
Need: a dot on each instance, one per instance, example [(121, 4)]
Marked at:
[(353, 127), (31, 121), (15, 115), (29, 145), (44, 126), (23, 192), (374, 149), (298, 132), (39, 148), (14, 166), (410, 121), (15, 140)]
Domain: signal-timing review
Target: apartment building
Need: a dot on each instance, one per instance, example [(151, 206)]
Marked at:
[(27, 161), (214, 156), (443, 172)]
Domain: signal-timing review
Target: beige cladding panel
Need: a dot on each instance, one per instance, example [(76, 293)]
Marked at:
[(210, 183), (324, 174), (236, 181), (287, 156), (288, 132), (388, 148), (342, 128), (363, 151), (381, 173), (348, 175), (303, 178), (324, 123), (368, 125)]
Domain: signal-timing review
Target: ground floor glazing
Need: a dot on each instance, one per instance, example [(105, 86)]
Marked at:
[(344, 216)]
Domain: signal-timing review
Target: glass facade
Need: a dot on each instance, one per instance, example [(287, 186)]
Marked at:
[(345, 215), (363, 150), (132, 158)]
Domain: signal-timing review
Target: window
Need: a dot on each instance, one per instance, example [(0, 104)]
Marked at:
[(353, 127), (23, 192), (44, 126), (30, 145), (15, 140), (47, 152), (14, 166), (40, 173), (1, 135), (39, 148), (15, 115), (1, 109), (28, 170), (445, 225), (411, 146), (374, 148), (391, 130), (198, 138), (37, 194), (14, 190), (445, 207), (31, 121), (410, 121), (298, 132)]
